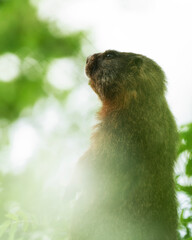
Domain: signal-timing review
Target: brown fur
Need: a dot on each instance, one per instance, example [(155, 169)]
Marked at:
[(125, 180)]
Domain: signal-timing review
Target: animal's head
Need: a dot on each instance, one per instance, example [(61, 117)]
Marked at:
[(120, 75)]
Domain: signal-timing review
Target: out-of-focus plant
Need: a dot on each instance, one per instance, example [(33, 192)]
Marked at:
[(184, 181), (30, 203), (35, 45)]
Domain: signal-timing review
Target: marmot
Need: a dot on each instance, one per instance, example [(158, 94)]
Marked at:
[(125, 181)]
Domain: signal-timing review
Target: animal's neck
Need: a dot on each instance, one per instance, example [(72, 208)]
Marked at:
[(117, 105), (133, 112)]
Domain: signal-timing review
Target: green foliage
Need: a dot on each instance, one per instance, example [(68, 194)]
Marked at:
[(21, 33), (186, 151), (186, 136), (26, 211), (21, 225), (14, 224), (17, 95)]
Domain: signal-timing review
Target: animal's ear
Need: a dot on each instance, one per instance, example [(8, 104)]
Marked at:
[(138, 61)]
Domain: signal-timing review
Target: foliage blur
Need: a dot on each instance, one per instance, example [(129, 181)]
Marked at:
[(39, 121), (43, 127), (32, 41), (184, 181)]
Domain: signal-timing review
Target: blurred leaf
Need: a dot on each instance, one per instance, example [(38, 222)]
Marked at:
[(186, 189), (26, 35), (23, 34), (185, 221), (3, 228), (186, 148), (186, 138), (12, 216), (189, 167), (17, 95), (188, 234), (12, 231)]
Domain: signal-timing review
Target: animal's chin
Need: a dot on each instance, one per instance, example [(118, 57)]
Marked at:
[(90, 69), (105, 90)]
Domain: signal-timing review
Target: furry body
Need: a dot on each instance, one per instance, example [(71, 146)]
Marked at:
[(125, 180)]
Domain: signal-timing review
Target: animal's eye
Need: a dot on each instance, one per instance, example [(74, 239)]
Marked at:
[(110, 55)]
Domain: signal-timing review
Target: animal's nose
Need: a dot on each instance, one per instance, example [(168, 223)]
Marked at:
[(92, 57)]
